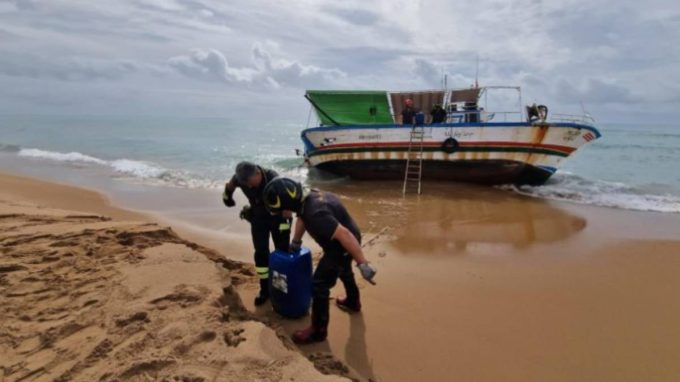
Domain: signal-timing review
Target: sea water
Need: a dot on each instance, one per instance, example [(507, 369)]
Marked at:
[(633, 166)]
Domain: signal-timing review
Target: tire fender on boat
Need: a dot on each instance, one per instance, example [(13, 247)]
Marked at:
[(450, 145)]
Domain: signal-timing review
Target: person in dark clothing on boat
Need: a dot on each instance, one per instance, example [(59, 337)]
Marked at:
[(252, 179), (328, 222), (438, 113), (408, 113)]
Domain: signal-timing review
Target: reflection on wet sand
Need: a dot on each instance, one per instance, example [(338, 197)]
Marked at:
[(450, 219)]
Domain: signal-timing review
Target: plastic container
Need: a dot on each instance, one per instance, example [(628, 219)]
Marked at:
[(420, 118), (290, 286)]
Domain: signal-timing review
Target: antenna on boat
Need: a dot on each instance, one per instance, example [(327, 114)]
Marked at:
[(477, 73), (442, 77)]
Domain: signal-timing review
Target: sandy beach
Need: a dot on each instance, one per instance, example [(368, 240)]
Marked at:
[(92, 292), (474, 284)]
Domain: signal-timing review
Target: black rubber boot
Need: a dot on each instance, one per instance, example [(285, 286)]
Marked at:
[(263, 296)]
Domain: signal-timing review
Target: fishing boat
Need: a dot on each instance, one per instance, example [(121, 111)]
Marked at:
[(360, 135)]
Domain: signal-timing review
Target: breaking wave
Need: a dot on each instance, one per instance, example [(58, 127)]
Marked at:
[(141, 170), (60, 157), (569, 187)]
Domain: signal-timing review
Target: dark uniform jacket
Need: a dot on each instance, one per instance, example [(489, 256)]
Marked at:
[(322, 212), (407, 115)]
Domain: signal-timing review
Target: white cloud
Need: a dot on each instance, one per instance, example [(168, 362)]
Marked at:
[(265, 70), (210, 64)]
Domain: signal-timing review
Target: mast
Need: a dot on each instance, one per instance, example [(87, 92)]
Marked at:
[(477, 73)]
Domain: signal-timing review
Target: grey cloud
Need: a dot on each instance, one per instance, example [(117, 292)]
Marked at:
[(86, 23), (65, 69), (23, 4), (593, 91), (362, 59), (428, 72), (359, 17)]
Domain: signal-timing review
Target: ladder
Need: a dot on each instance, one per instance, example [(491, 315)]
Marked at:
[(414, 158)]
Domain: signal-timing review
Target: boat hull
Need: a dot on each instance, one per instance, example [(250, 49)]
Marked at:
[(486, 153), (488, 172)]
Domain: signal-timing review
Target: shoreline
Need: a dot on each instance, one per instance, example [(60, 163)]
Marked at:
[(484, 285)]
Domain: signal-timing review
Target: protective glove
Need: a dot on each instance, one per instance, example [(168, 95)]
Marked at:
[(295, 246), (246, 213), (368, 272), (228, 200)]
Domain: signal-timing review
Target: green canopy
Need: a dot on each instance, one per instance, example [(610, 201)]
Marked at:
[(351, 107)]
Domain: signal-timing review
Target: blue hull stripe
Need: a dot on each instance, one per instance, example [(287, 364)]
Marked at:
[(455, 125)]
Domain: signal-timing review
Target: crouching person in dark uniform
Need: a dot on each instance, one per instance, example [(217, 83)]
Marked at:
[(327, 221), (252, 180)]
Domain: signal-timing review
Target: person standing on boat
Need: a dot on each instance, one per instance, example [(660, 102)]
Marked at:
[(252, 180), (327, 221), (438, 113), (408, 114)]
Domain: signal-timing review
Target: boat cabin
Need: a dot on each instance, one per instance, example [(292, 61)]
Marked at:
[(369, 107)]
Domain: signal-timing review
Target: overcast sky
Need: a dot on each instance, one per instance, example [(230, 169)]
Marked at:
[(620, 58)]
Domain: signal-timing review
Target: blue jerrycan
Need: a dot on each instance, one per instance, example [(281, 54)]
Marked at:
[(290, 285), (420, 118)]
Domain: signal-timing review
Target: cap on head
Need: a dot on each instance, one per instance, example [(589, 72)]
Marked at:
[(283, 194), (244, 170), (408, 102)]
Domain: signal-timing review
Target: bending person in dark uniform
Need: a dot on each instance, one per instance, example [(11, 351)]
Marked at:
[(327, 221), (252, 180)]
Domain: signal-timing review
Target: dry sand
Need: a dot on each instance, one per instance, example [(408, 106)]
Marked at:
[(84, 297)]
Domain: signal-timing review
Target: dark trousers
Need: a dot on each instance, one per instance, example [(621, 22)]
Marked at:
[(260, 229), (333, 265)]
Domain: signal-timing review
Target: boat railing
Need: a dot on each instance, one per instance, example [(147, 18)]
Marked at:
[(584, 119), (461, 116)]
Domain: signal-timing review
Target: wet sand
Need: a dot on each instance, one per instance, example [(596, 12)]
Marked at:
[(479, 285), (482, 285)]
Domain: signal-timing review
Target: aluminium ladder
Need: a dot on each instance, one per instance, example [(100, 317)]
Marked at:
[(414, 158)]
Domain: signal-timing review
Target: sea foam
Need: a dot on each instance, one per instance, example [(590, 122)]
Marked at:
[(147, 172), (569, 187)]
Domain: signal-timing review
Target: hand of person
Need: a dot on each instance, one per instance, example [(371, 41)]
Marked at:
[(228, 200), (368, 272), (246, 213), (295, 246)]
